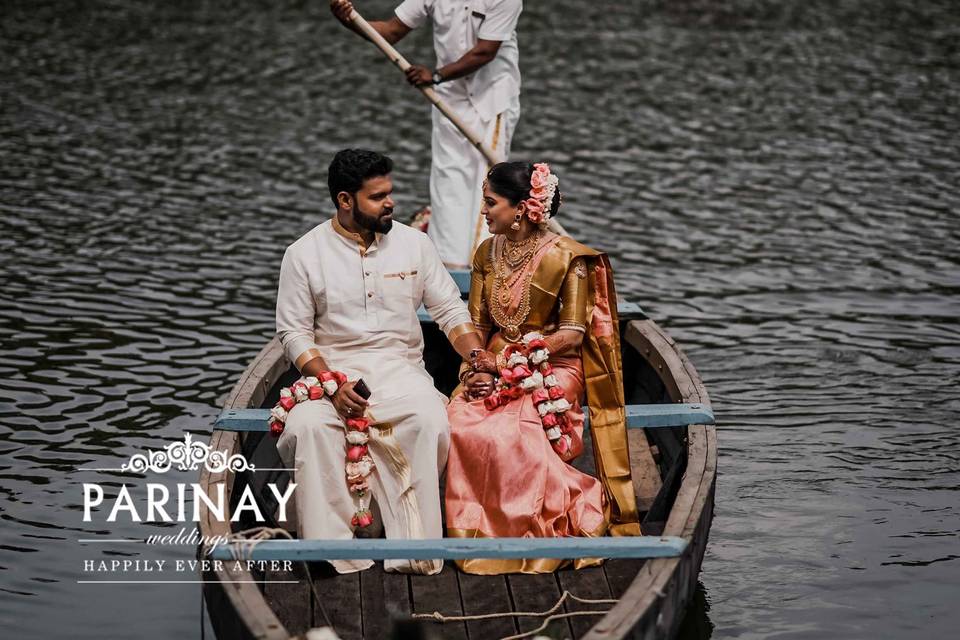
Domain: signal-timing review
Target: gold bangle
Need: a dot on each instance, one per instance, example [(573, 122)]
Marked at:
[(305, 357)]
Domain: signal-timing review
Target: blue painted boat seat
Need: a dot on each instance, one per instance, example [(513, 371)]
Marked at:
[(454, 548), (639, 416)]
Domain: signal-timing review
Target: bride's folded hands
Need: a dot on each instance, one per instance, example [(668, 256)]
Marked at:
[(485, 361), (478, 385)]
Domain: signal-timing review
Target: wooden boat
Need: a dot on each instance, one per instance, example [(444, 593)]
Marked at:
[(674, 469)]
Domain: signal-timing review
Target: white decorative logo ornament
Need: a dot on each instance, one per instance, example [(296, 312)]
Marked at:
[(187, 456)]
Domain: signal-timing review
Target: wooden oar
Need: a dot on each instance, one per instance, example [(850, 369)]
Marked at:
[(388, 50)]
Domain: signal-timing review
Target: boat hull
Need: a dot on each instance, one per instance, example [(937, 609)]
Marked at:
[(676, 492)]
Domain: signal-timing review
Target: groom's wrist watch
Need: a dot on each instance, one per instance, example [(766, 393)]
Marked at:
[(436, 78)]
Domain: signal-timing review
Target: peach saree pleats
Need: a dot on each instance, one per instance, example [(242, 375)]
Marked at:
[(505, 480)]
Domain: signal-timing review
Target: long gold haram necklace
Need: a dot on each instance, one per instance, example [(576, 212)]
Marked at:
[(508, 269)]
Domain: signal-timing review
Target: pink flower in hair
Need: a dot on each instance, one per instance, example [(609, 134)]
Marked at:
[(537, 181), (542, 168), (534, 210)]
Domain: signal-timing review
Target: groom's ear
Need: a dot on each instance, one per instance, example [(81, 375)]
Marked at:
[(345, 200)]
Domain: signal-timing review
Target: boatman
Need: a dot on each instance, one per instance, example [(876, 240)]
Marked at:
[(477, 74), (347, 303)]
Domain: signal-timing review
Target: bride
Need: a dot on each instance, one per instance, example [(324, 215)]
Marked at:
[(546, 307)]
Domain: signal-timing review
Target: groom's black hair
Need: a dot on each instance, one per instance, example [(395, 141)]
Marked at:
[(350, 167)]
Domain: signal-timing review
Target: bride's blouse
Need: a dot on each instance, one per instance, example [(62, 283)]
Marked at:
[(554, 296)]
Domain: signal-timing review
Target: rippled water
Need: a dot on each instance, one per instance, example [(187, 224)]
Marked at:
[(776, 181)]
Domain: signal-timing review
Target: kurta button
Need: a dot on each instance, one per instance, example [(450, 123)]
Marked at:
[(366, 273), (369, 294)]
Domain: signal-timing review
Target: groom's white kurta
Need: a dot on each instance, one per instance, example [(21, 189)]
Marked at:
[(357, 308)]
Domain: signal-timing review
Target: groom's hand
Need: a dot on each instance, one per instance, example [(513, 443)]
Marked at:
[(479, 385), (348, 402)]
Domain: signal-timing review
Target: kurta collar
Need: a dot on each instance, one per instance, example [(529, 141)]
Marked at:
[(354, 237)]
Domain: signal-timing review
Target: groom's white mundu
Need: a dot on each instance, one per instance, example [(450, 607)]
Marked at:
[(354, 304)]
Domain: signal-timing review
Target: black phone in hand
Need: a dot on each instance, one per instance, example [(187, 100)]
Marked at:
[(362, 389)]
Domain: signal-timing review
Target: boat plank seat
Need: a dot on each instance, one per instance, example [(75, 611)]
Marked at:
[(456, 548), (639, 416)]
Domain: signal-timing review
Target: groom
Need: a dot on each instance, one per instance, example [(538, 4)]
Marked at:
[(348, 299)]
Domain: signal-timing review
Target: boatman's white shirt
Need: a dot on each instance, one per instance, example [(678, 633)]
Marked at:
[(457, 25), (357, 307)]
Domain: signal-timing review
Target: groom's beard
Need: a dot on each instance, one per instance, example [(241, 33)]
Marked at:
[(377, 223)]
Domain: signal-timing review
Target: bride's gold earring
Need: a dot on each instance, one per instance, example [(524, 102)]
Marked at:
[(516, 222)]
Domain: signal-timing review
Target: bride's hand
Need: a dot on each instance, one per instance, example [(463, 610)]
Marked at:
[(479, 385), (484, 361)]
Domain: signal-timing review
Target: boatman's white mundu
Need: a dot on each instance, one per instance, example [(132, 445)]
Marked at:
[(487, 100), (357, 307)]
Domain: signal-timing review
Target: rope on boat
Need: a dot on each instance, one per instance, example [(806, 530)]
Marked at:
[(551, 615), (242, 543)]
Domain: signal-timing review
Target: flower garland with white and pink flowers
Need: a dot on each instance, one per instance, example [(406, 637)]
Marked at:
[(527, 370), (359, 463)]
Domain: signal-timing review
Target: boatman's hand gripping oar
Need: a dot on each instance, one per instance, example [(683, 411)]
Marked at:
[(347, 14)]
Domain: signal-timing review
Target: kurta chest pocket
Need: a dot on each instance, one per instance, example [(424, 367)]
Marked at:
[(400, 286)]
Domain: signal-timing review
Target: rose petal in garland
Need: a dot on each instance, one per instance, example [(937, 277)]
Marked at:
[(362, 518), (492, 401), (360, 424), (355, 453), (540, 395)]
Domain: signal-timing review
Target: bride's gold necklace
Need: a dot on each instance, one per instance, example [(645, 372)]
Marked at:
[(509, 268)]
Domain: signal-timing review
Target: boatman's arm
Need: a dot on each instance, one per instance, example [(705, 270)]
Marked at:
[(392, 30), (497, 25)]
